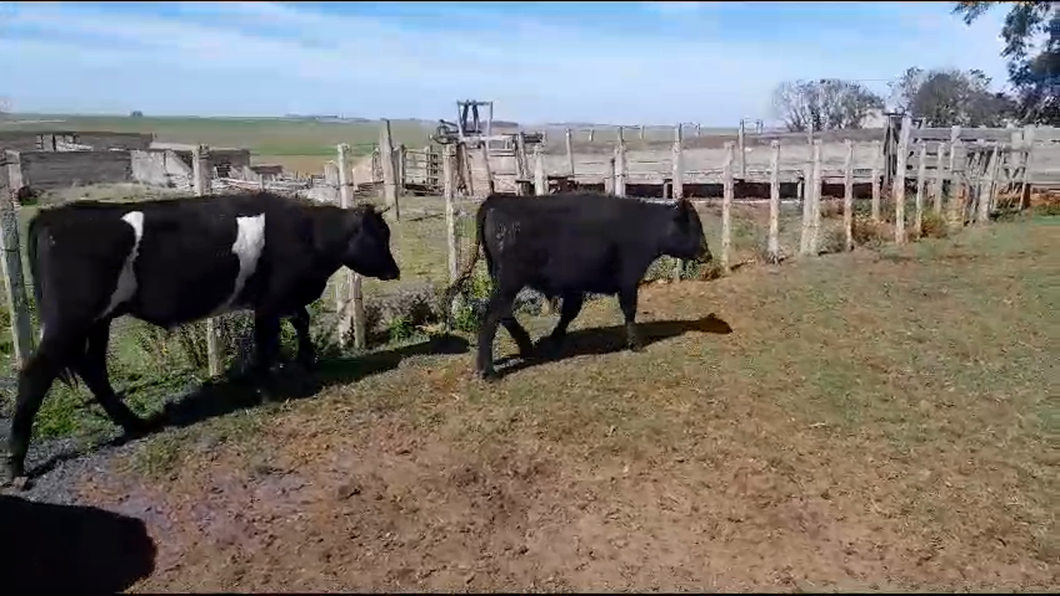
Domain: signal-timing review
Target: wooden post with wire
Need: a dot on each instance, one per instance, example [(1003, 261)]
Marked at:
[(200, 167), (728, 186), (14, 280), (677, 186), (774, 201), (848, 195)]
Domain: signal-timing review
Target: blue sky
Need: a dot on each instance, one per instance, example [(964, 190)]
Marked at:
[(629, 62)]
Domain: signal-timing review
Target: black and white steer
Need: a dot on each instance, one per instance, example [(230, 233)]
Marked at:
[(568, 244), (169, 262)]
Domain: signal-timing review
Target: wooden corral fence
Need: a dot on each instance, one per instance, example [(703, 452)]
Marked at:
[(963, 178), (962, 175)]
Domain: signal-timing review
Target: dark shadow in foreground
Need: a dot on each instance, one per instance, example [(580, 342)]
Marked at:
[(596, 341), (71, 548), (228, 395)]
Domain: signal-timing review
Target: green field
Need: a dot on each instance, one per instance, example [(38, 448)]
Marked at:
[(299, 145)]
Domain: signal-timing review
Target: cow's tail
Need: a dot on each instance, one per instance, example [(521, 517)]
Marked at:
[(465, 273), (66, 375)]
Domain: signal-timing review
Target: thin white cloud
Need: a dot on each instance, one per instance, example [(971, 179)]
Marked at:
[(677, 8), (265, 57)]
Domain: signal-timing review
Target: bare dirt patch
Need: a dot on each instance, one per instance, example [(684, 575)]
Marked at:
[(867, 424)]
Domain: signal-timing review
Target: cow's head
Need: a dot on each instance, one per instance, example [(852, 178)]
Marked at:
[(684, 236), (367, 249)]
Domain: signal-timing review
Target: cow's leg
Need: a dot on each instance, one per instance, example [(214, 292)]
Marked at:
[(307, 356), (55, 352), (627, 301), (519, 334), (571, 306), (93, 370), (498, 308), (266, 348)]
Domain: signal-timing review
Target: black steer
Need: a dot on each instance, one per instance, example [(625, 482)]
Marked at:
[(170, 262), (569, 244)]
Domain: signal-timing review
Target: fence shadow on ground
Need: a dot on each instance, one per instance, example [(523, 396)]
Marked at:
[(227, 395), (597, 341), (72, 548)]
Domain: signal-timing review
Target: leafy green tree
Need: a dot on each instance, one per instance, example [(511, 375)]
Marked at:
[(1034, 69), (944, 97)]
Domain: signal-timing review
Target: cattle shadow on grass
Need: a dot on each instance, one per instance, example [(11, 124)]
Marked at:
[(72, 548), (231, 394), (227, 396), (597, 341)]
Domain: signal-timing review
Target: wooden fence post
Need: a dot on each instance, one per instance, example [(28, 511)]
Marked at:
[(811, 211), (678, 163), (14, 280), (200, 166), (620, 164), (726, 206), (955, 139), (987, 186), (1028, 148), (877, 157), (642, 129), (898, 192), (487, 168), (848, 195), (940, 168), (569, 140), (386, 158), (955, 207), (401, 156), (449, 190), (818, 184), (774, 202), (921, 180), (521, 164), (609, 182), (678, 187), (348, 288), (591, 134), (540, 182), (742, 153)]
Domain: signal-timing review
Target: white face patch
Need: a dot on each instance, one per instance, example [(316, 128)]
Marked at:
[(249, 244), (126, 287)]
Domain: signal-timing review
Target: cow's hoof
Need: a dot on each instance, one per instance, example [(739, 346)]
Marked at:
[(137, 428), (19, 482), (636, 347), (488, 376)]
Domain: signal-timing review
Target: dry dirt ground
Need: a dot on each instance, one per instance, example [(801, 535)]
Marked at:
[(864, 421)]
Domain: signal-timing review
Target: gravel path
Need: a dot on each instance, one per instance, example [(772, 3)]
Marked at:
[(67, 463)]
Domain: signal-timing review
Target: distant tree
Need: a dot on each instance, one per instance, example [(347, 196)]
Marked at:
[(1034, 69), (945, 97), (825, 104), (136, 114)]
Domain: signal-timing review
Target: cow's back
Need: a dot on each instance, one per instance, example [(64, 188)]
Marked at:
[(185, 259), (567, 242)]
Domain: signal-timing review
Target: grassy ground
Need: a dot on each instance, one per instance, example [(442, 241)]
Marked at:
[(873, 420), (139, 352), (299, 145)]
